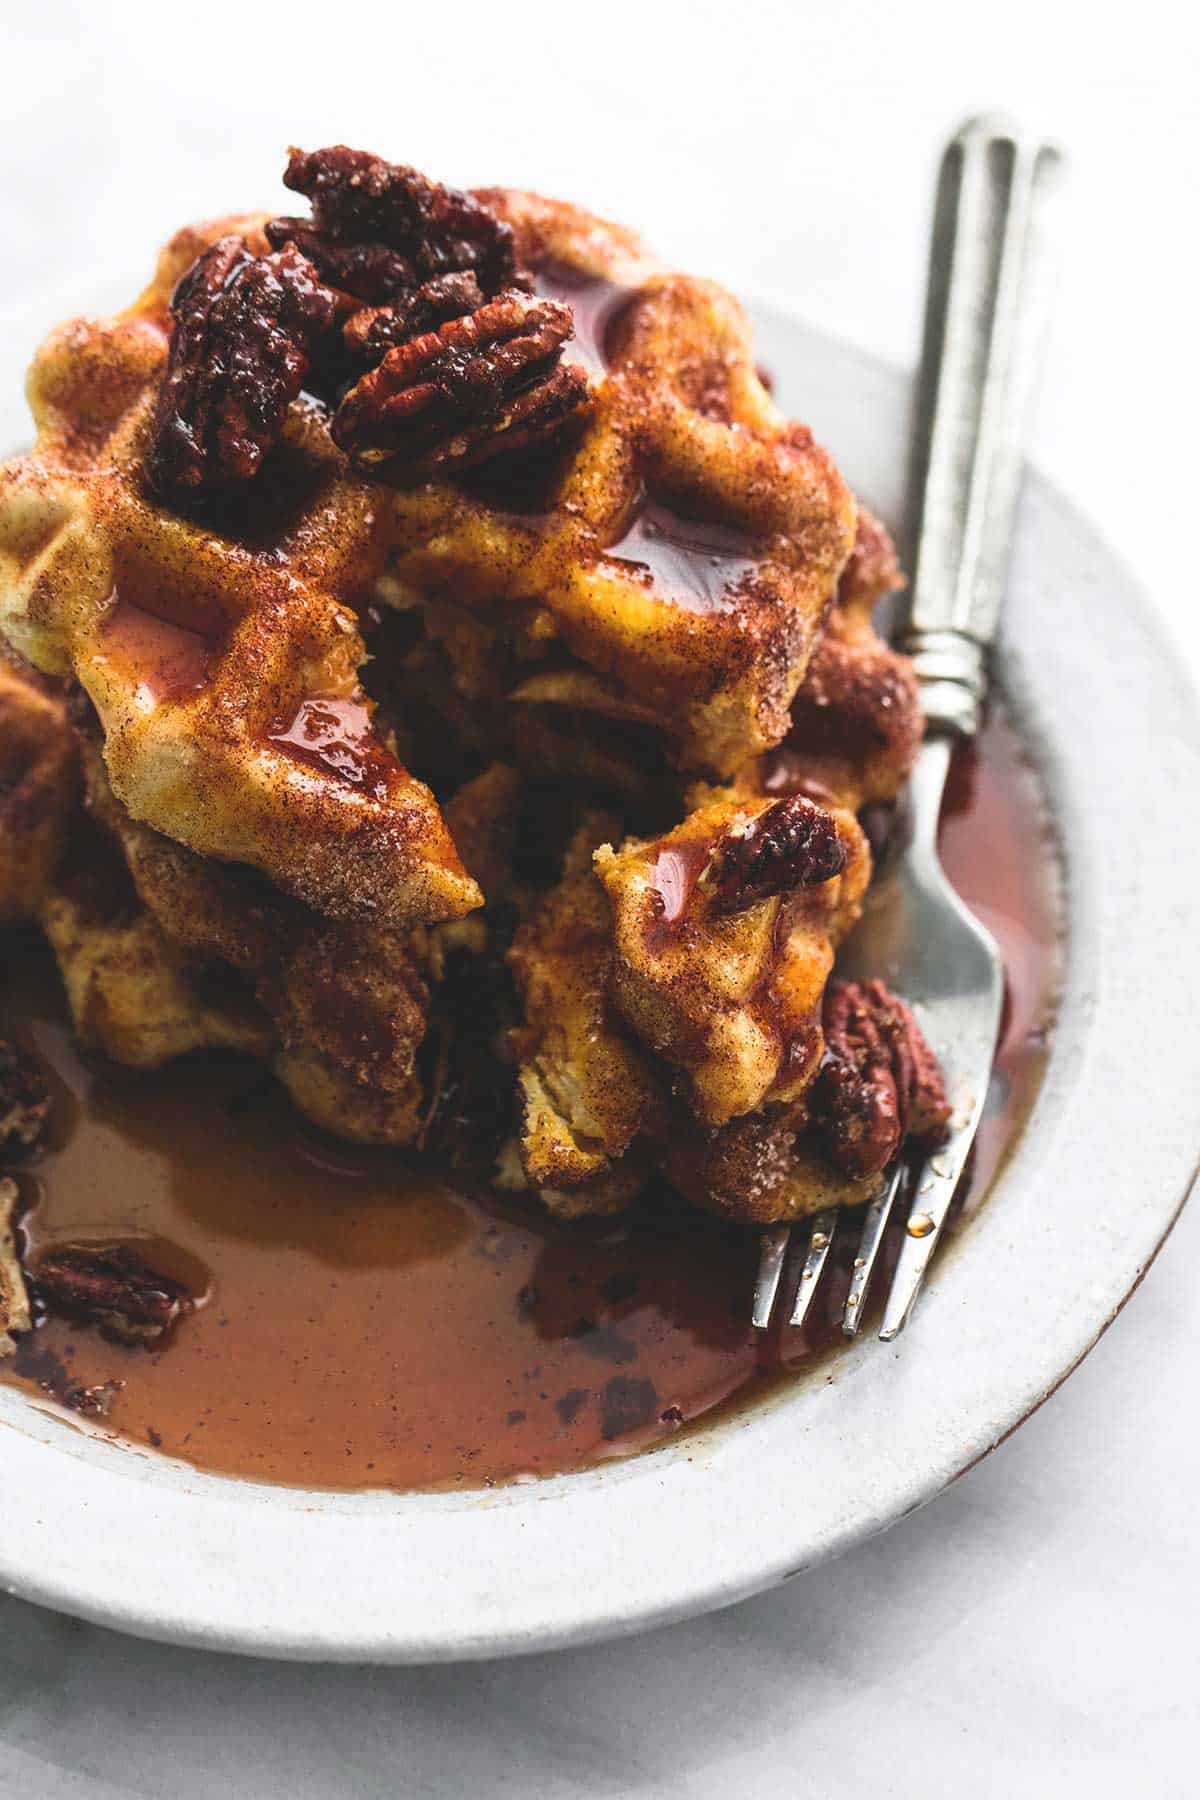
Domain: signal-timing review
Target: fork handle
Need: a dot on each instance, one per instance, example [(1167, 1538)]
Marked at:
[(983, 325)]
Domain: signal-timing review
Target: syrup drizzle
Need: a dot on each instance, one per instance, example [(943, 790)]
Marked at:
[(337, 737), (374, 1323), (698, 563), (597, 304)]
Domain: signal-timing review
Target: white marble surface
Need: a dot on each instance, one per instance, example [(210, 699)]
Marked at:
[(1031, 1632)]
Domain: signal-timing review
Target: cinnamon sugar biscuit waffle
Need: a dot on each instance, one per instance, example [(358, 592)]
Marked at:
[(587, 1089), (723, 936), (490, 442), (672, 995), (684, 548), (133, 995), (220, 649), (37, 787), (339, 1007)]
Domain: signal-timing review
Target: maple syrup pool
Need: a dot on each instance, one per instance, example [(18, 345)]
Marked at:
[(366, 1324)]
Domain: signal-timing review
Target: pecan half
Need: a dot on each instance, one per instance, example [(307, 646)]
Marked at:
[(112, 1287), (880, 1081), (245, 329), (792, 843), (474, 387), (24, 1101), (367, 272), (371, 331), (361, 200)]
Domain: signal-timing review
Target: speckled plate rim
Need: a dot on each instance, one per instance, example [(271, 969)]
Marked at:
[(138, 1542)]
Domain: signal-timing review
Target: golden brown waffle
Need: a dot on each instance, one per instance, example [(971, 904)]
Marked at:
[(132, 994), (664, 1026), (163, 953), (37, 787), (221, 653), (856, 722), (339, 1008), (142, 999), (14, 1299), (675, 588), (220, 650), (726, 998), (683, 451), (587, 1089), (760, 1170)]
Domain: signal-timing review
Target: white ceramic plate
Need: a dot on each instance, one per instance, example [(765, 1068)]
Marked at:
[(128, 1539)]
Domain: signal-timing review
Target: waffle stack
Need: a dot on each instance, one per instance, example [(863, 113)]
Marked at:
[(456, 651)]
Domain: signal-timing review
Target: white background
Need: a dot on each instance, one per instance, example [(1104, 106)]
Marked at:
[(1032, 1631)]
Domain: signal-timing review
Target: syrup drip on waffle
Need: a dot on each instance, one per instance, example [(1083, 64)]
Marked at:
[(699, 562), (597, 304)]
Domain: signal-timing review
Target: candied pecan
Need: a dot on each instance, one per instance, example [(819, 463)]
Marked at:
[(370, 272), (473, 388), (371, 331), (24, 1102), (360, 199), (792, 843), (880, 1081), (245, 328), (112, 1287)]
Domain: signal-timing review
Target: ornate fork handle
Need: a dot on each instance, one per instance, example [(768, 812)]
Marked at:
[(984, 315)]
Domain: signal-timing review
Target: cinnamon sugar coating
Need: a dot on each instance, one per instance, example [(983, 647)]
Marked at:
[(207, 642), (676, 411), (726, 999), (244, 329), (485, 688), (341, 1007), (856, 723)]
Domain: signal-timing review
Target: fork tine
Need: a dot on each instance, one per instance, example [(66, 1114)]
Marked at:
[(771, 1259), (869, 1245), (820, 1241), (933, 1190)]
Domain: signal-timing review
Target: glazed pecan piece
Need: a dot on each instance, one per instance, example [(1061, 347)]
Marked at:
[(792, 844), (245, 330), (360, 200), (112, 1287), (371, 331), (880, 1082), (367, 272), (475, 387), (24, 1102)]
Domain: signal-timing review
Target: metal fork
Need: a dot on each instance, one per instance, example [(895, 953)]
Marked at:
[(984, 310)]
